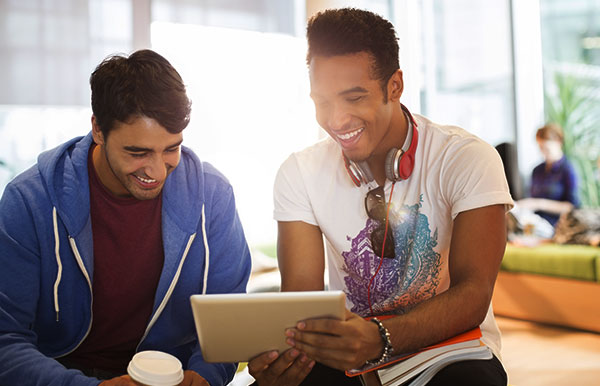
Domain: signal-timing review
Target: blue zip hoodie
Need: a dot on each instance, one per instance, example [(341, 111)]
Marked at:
[(46, 265)]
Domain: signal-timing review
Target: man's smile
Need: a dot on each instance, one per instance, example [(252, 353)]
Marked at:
[(350, 135), (146, 182)]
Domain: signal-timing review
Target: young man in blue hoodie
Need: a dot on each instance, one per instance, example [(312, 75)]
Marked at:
[(103, 241)]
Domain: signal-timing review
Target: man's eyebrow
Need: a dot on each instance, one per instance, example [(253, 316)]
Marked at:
[(137, 149), (176, 144), (354, 90)]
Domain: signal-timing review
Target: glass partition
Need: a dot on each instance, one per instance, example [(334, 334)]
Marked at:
[(571, 61), (467, 66)]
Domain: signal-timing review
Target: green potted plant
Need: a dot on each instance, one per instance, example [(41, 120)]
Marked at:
[(571, 107)]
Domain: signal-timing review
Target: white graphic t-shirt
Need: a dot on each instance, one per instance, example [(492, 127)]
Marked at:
[(454, 171)]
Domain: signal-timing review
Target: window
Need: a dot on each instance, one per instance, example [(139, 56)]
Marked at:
[(571, 61), (250, 108), (467, 66), (48, 49)]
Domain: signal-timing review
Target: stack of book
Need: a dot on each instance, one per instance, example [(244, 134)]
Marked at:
[(424, 364)]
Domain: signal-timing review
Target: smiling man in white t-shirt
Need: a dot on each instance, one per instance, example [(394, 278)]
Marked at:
[(412, 214)]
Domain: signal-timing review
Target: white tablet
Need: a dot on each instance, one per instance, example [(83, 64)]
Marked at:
[(238, 327)]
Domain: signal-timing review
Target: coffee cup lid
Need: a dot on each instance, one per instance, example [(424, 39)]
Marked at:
[(155, 368)]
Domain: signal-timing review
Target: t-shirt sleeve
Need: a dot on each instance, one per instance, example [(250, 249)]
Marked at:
[(291, 200), (475, 178)]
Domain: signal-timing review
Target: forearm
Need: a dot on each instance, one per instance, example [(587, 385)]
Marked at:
[(350, 343), (22, 364), (214, 373), (546, 205), (439, 318), (476, 250), (556, 207)]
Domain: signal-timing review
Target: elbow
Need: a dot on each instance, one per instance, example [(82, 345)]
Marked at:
[(484, 306), (480, 314), (481, 297)]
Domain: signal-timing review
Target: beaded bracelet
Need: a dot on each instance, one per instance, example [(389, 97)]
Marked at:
[(387, 343)]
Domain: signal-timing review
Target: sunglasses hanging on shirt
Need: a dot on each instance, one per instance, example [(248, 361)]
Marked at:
[(399, 164)]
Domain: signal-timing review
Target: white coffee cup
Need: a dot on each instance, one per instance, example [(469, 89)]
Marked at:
[(155, 368)]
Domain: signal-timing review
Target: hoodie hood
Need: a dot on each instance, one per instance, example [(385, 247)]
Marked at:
[(64, 173)]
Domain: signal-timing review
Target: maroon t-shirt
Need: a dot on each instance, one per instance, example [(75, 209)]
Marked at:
[(128, 259)]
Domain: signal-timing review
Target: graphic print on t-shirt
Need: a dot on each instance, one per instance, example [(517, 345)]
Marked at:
[(401, 283)]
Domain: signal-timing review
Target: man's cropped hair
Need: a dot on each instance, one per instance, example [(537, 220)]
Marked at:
[(143, 84), (349, 31)]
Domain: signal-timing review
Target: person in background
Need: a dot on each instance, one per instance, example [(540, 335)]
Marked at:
[(412, 214), (103, 241), (553, 188), (508, 154)]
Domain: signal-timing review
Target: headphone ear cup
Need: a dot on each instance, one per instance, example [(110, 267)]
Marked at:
[(390, 172), (353, 171), (406, 166), (406, 163)]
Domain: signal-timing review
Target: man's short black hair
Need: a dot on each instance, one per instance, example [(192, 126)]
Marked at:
[(349, 31), (143, 84)]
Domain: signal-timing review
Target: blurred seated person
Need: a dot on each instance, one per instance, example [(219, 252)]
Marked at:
[(508, 154), (553, 188)]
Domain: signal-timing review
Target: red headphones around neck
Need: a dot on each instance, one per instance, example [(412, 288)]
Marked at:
[(399, 164)]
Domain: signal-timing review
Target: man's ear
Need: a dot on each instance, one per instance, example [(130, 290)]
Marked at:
[(96, 132), (395, 86)]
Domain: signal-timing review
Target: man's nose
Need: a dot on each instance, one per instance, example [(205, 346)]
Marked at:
[(338, 118), (156, 168)]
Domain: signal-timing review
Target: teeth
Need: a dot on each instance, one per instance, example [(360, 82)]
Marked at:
[(351, 134), (146, 180)]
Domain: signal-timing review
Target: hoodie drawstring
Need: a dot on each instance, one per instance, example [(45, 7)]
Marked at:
[(173, 282), (58, 262), (206, 254), (165, 299)]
